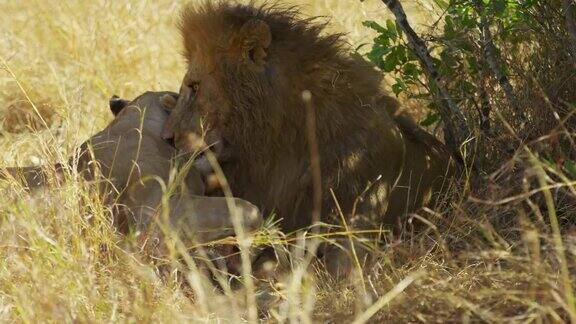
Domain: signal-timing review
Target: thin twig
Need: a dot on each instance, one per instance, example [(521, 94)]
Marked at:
[(494, 62)]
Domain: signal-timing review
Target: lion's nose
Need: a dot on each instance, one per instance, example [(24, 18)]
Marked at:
[(168, 136), (170, 141)]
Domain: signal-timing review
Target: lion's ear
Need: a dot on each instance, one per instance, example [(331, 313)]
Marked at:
[(253, 40)]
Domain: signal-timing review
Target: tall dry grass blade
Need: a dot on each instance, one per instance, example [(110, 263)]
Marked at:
[(387, 298), (244, 240), (314, 159), (350, 237), (556, 236)]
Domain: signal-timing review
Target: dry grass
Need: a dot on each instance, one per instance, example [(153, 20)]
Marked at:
[(498, 256)]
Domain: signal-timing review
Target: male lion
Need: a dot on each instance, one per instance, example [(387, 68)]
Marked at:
[(242, 93), (135, 162)]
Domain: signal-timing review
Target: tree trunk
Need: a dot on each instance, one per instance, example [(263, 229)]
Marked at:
[(456, 130)]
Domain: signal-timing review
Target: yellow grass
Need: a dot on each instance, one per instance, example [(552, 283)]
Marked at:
[(61, 260)]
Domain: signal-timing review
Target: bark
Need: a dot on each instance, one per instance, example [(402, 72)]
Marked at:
[(493, 58), (570, 13), (456, 130), (485, 110)]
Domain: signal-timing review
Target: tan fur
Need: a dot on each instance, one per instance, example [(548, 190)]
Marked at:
[(247, 69), (133, 160)]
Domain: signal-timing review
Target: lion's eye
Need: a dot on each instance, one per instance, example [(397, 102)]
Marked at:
[(195, 86)]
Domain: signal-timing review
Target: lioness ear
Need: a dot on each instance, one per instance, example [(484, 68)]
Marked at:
[(168, 101), (253, 40), (117, 104)]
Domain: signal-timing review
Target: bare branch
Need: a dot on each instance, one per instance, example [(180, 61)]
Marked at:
[(456, 130), (493, 59)]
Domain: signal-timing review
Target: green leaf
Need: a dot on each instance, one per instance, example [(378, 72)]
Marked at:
[(442, 4), (468, 87), (377, 53), (499, 6), (399, 87), (374, 25), (431, 119), (402, 53), (391, 26), (395, 58), (472, 63), (389, 63), (382, 40), (411, 71), (549, 163), (570, 167), (449, 31), (467, 46)]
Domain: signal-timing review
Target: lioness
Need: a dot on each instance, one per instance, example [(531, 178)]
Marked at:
[(135, 163)]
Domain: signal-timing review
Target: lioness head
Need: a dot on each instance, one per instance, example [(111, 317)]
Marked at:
[(157, 103)]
